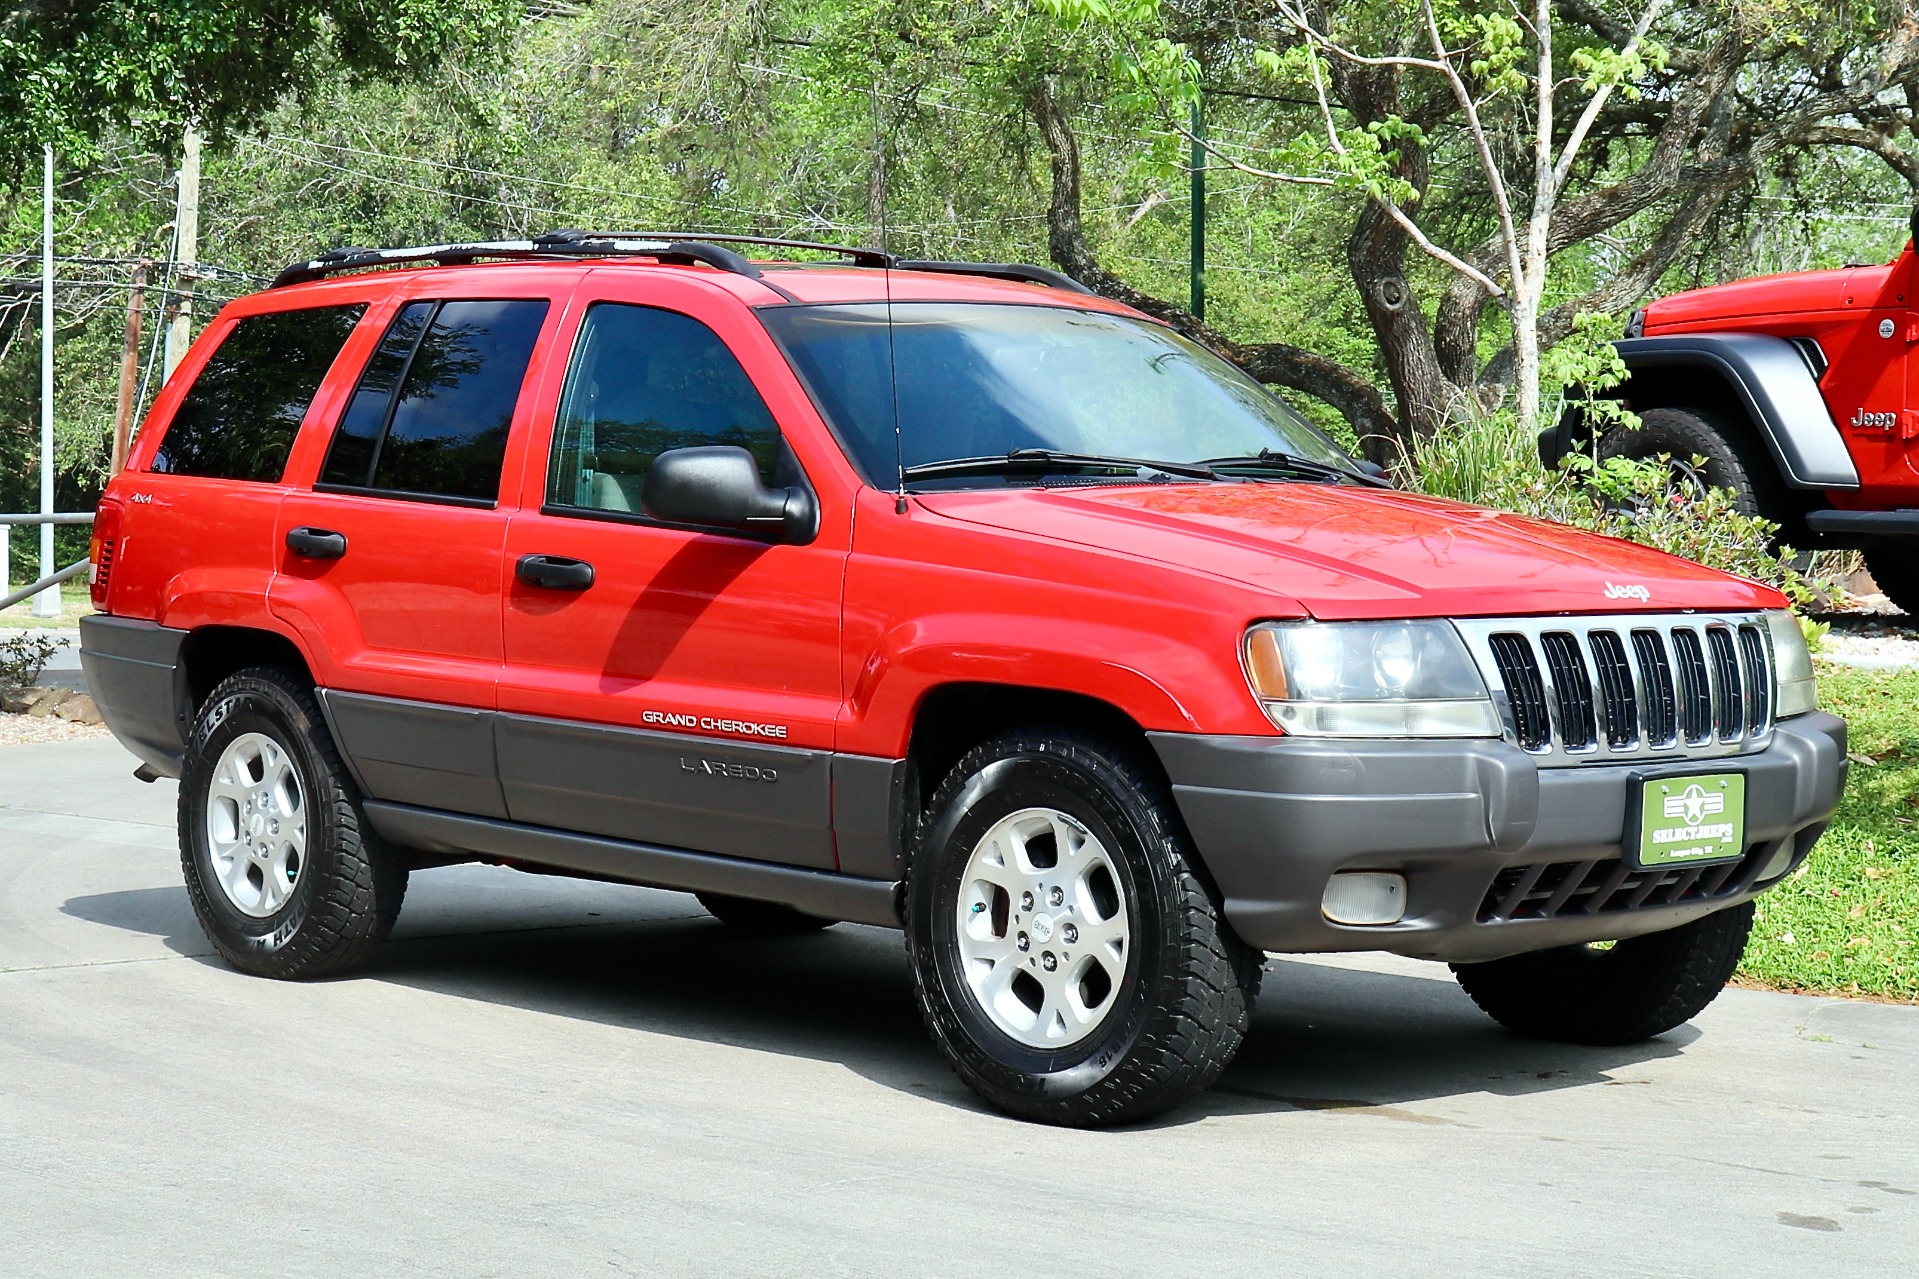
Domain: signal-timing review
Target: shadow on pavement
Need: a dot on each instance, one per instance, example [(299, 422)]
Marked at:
[(1323, 1038)]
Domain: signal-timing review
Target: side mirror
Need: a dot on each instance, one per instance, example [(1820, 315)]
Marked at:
[(718, 486)]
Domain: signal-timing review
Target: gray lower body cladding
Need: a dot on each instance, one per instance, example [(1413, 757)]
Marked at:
[(134, 671), (1467, 823)]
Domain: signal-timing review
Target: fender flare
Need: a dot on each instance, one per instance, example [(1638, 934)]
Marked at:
[(1770, 380)]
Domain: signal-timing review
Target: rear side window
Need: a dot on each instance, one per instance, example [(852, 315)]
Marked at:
[(430, 416), (239, 418), (643, 381)]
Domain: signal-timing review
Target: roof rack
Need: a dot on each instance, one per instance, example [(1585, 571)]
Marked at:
[(558, 244), (667, 246)]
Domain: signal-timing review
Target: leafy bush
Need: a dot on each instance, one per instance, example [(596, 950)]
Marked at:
[(1486, 461), (22, 658)]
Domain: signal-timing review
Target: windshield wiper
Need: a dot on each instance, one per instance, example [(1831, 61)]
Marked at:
[(1293, 464), (1048, 462)]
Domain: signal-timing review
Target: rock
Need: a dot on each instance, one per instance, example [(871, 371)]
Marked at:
[(17, 701), (47, 699), (78, 708)]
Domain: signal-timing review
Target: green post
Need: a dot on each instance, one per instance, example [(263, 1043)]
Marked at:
[(1199, 213)]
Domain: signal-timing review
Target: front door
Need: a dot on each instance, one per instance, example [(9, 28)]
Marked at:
[(391, 562), (664, 684)]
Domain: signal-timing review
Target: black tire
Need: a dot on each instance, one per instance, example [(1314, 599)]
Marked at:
[(349, 886), (751, 916), (1896, 572), (1733, 460), (1637, 988), (1181, 1007)]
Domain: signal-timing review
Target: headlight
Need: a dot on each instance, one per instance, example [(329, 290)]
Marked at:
[(1792, 664), (1368, 679)]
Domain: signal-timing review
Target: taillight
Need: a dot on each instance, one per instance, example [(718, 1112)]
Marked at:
[(100, 551)]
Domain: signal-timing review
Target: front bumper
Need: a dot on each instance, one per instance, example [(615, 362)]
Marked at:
[(1467, 823)]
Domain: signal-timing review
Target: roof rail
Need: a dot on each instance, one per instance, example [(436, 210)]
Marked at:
[(667, 246), (998, 271), (560, 244)]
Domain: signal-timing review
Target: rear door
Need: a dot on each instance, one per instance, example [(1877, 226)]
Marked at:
[(391, 561), (687, 695)]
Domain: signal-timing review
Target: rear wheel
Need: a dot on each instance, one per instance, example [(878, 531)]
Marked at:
[(284, 874), (1067, 957), (1617, 993), (752, 916), (1732, 461), (1896, 571)]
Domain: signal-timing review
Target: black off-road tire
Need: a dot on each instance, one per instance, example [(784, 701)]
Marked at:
[(750, 916), (1734, 460), (1637, 988), (1896, 571), (348, 890), (1184, 1004)]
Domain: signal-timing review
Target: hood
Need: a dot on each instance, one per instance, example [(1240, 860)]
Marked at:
[(1800, 293), (1352, 553)]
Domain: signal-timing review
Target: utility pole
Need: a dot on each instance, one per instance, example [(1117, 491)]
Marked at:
[(186, 223), (1198, 217), (47, 602), (129, 370)]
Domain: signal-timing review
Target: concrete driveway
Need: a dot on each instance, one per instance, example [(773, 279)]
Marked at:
[(545, 1077)]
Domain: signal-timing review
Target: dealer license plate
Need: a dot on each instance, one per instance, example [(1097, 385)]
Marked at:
[(1690, 820)]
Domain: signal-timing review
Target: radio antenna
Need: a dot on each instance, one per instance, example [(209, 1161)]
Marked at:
[(886, 277)]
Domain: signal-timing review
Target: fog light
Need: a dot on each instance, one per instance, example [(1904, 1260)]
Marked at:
[(1365, 897)]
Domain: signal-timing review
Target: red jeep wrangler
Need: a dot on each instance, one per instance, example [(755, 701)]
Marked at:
[(939, 596), (1799, 393)]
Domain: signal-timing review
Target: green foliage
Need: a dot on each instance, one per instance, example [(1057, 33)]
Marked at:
[(22, 658), (70, 70)]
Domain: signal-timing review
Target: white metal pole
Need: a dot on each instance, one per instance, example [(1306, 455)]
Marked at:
[(186, 222), (47, 602)]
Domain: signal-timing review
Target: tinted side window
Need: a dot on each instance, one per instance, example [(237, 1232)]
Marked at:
[(458, 375), (240, 416), (643, 381)]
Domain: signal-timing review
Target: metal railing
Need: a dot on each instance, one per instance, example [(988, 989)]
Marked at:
[(52, 580)]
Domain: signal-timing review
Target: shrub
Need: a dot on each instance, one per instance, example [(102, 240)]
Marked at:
[(22, 659)]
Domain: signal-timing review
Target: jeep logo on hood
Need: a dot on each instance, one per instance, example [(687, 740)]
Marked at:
[(1633, 591)]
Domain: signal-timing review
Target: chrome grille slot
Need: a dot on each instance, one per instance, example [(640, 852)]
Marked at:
[(1525, 692), (1655, 685), (1752, 648), (1615, 688), (1577, 690), (1695, 686), (1572, 690), (1729, 705)]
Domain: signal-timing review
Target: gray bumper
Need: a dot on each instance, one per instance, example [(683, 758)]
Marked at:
[(1468, 824), (137, 680)]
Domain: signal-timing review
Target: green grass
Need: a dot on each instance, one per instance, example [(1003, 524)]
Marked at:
[(1847, 923), (75, 601)]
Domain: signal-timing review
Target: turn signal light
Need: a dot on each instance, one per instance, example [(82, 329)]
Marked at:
[(100, 552)]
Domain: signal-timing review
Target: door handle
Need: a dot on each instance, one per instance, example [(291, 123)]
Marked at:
[(316, 543), (555, 572)]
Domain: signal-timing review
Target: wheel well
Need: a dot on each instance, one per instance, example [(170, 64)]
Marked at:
[(954, 718), (1707, 389), (212, 653)]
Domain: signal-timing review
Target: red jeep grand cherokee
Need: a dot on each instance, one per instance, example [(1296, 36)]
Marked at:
[(935, 595)]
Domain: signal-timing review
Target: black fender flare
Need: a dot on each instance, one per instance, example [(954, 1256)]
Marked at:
[(1768, 377)]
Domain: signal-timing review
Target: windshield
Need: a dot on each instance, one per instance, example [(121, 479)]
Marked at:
[(984, 379)]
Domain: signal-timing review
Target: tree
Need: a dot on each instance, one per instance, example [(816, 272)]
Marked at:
[(73, 70), (1459, 137)]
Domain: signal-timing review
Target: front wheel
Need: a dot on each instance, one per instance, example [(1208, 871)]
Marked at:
[(1678, 435), (1067, 958), (284, 875), (1613, 994)]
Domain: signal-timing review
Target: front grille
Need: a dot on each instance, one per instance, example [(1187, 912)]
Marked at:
[(1608, 886), (1593, 689)]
